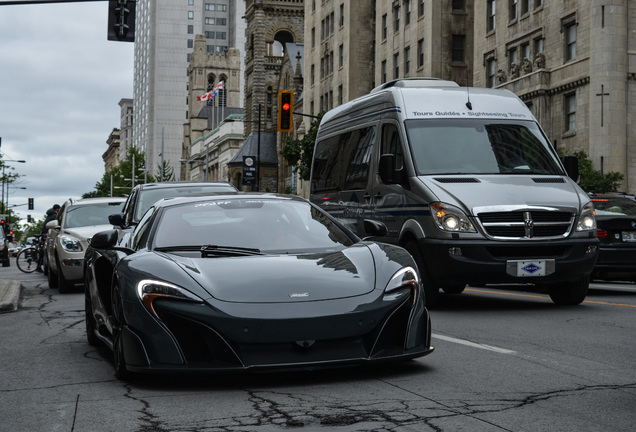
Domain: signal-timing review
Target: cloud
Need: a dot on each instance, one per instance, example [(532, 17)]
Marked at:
[(61, 84)]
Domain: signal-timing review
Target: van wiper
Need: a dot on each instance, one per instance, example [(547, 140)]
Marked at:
[(216, 250)]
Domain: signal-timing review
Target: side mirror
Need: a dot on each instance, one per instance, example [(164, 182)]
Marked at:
[(386, 170), (571, 164), (52, 224), (118, 220), (375, 228), (104, 239)]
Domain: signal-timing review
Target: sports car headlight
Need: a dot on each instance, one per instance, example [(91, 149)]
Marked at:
[(587, 220), (70, 244), (450, 218), (405, 279), (150, 290)]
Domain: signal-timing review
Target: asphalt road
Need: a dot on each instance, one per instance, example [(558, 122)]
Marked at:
[(505, 360)]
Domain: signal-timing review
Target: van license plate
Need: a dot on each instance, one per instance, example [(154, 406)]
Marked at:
[(530, 268)]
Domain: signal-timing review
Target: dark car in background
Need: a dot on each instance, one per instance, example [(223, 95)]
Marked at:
[(616, 231), (249, 282)]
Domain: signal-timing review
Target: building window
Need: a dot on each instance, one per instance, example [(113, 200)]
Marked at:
[(525, 7), (221, 8), (525, 51), (513, 58), (333, 23), (570, 113), (420, 8), (221, 21), (491, 67), (458, 48), (190, 15), (538, 46), (209, 48), (340, 95), (209, 6), (220, 35), (342, 15), (383, 71), (396, 66), (190, 43), (512, 10), (210, 34), (341, 56), (490, 15), (420, 53), (407, 12), (190, 29), (538, 3), (459, 5), (396, 18), (384, 25), (190, 2), (570, 42), (407, 61), (210, 21), (313, 72), (313, 37)]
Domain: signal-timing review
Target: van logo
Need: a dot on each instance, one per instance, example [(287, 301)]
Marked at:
[(293, 295), (528, 224)]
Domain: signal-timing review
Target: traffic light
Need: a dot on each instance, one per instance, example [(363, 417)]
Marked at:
[(30, 203), (285, 110), (29, 220), (121, 20)]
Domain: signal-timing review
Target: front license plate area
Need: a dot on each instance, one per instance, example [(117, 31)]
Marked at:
[(530, 268), (629, 236)]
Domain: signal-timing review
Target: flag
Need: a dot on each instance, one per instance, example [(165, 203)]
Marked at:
[(206, 96), (219, 85)]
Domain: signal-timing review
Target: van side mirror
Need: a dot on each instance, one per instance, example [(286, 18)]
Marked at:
[(386, 169), (571, 164), (375, 228), (117, 219)]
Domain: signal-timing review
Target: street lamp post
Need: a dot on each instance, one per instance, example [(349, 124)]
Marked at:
[(4, 180)]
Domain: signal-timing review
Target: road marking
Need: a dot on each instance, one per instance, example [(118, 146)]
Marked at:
[(473, 344), (545, 297)]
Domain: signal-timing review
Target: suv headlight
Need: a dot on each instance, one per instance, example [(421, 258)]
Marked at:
[(587, 219), (70, 244), (450, 218)]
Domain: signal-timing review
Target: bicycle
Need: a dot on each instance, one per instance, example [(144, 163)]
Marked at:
[(30, 257)]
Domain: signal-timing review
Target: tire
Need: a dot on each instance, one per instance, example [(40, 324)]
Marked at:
[(52, 278), (62, 285), (91, 324), (431, 291), (569, 293), (454, 289), (27, 260)]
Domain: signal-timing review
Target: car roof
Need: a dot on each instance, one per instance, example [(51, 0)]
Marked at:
[(167, 185), (173, 201)]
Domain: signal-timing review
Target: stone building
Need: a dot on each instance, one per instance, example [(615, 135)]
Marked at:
[(573, 62), (416, 38), (270, 25), (125, 127), (209, 72), (111, 155)]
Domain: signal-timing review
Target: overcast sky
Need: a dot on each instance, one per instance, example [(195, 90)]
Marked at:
[(60, 84)]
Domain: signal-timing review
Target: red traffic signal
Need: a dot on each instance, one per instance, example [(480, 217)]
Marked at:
[(285, 110)]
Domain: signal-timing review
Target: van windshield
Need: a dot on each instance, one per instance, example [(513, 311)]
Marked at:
[(480, 146)]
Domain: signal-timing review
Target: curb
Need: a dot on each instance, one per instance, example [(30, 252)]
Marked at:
[(9, 295)]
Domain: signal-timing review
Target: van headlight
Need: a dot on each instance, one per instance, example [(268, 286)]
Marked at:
[(70, 243), (450, 218), (587, 219)]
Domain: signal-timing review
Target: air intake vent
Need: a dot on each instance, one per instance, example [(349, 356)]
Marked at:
[(457, 180), (549, 180)]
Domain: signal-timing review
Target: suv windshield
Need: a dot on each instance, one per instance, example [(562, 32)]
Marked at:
[(90, 214), (480, 146)]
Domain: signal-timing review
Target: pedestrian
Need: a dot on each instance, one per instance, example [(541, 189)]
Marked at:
[(51, 214)]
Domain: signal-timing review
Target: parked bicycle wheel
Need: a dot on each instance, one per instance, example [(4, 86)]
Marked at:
[(27, 259)]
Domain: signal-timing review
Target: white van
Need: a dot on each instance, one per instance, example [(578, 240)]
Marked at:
[(463, 178)]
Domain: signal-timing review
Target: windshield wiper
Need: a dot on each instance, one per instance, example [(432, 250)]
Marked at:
[(216, 250)]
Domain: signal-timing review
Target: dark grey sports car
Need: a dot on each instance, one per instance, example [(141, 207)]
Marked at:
[(250, 281)]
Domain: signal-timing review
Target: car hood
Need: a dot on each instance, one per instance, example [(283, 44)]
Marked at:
[(284, 278), (86, 232), (505, 190)]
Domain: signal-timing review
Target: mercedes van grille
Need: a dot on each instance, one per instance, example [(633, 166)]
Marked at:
[(457, 180), (535, 224), (549, 180)]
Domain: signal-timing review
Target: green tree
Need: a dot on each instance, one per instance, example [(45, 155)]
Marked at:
[(121, 176), (299, 152), (168, 172), (592, 180), (7, 176)]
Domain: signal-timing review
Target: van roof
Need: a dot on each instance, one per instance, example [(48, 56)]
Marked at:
[(430, 99)]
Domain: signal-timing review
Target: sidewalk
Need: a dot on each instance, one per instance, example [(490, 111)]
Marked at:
[(9, 295)]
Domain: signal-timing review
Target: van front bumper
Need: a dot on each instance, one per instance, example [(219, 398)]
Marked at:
[(456, 262)]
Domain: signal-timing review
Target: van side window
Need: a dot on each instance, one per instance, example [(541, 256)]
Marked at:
[(342, 161), (391, 144)]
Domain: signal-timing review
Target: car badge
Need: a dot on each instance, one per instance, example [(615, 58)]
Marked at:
[(633, 224), (293, 295)]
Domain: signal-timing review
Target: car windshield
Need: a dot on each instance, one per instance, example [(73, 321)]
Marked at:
[(90, 214), (267, 225), (148, 197), (480, 146), (614, 206)]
